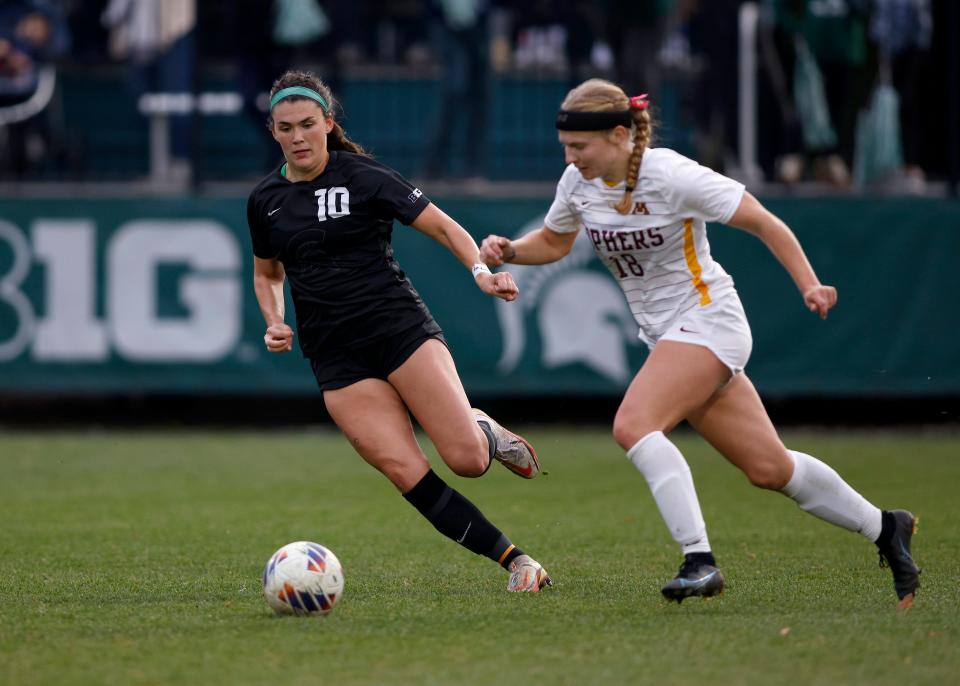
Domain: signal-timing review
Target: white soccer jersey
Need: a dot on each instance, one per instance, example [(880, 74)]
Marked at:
[(658, 253)]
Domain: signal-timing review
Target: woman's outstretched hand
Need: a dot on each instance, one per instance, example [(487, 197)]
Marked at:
[(495, 250), (499, 285), (819, 299)]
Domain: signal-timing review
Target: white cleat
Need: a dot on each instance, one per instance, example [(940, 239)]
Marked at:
[(527, 575), (512, 451)]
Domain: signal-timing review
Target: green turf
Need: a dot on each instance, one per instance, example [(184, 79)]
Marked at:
[(136, 559)]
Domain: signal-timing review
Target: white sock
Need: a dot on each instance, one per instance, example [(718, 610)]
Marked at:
[(819, 490), (670, 481)]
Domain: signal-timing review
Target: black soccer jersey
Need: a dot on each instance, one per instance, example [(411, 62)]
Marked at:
[(332, 235)]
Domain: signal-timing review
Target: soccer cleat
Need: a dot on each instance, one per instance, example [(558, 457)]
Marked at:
[(527, 575), (698, 575), (512, 451), (896, 555)]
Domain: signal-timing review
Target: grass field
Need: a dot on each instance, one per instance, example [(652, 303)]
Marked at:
[(135, 558)]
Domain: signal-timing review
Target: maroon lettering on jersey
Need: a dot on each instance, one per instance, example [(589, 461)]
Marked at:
[(620, 241), (594, 237), (610, 241)]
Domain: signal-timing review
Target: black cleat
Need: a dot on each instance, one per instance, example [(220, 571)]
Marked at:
[(896, 555), (698, 575)]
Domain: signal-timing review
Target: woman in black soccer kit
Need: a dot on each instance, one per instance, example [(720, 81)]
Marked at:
[(323, 220)]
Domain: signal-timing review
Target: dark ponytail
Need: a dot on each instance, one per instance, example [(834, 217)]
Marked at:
[(337, 140)]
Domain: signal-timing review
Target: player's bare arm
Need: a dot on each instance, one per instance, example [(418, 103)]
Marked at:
[(439, 226), (268, 277), (537, 247), (751, 216)]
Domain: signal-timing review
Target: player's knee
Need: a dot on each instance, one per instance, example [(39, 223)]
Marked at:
[(769, 474), (472, 467), (468, 458), (402, 472), (628, 430)]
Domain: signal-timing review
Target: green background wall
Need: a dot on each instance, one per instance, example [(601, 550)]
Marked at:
[(894, 331)]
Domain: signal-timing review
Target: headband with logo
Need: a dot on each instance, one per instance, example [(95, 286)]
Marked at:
[(571, 120)]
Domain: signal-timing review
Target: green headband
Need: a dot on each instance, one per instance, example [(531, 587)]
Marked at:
[(298, 90)]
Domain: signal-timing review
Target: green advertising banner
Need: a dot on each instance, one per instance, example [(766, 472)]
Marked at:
[(155, 295)]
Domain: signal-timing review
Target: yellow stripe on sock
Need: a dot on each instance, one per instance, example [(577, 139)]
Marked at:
[(505, 553), (690, 253)]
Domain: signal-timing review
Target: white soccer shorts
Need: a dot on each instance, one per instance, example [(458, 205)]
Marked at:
[(721, 327)]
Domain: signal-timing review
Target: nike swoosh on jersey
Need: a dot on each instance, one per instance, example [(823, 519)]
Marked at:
[(273, 212)]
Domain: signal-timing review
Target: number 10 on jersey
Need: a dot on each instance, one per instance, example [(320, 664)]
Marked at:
[(332, 202)]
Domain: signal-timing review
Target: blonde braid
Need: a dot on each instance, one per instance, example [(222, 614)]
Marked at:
[(641, 139)]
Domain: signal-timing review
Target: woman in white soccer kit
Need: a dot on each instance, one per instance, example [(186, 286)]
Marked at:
[(645, 211)]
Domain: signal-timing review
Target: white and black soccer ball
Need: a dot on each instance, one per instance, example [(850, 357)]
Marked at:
[(303, 578)]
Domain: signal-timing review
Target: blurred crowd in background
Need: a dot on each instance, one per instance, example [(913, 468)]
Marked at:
[(850, 93)]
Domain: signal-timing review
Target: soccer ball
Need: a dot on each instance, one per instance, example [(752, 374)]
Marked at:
[(302, 578)]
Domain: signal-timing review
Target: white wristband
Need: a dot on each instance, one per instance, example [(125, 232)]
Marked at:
[(480, 268)]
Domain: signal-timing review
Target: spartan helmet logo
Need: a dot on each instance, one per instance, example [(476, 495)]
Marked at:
[(581, 314)]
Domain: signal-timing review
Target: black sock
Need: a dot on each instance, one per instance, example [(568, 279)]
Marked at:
[(701, 558), (459, 520), (888, 524)]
